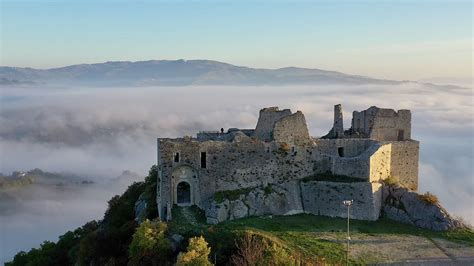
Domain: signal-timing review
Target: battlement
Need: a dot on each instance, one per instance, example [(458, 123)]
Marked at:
[(382, 124), (376, 123)]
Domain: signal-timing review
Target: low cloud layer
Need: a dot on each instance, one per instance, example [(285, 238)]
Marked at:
[(99, 132)]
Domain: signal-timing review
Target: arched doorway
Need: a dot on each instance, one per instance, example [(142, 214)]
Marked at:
[(183, 193), (185, 186)]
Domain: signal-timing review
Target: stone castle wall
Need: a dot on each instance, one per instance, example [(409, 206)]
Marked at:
[(383, 124), (298, 196), (325, 198), (280, 153), (242, 163), (291, 129), (266, 121), (404, 162)]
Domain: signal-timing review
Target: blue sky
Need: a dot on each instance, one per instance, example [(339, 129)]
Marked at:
[(388, 39)]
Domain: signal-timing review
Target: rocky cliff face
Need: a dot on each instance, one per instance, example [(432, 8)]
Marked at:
[(406, 206)]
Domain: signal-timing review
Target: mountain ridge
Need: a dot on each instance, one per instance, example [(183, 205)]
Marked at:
[(177, 73)]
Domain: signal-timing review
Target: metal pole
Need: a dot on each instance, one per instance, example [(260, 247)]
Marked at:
[(348, 203), (348, 236)]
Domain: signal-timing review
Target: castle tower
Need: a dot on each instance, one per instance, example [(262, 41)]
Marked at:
[(338, 128)]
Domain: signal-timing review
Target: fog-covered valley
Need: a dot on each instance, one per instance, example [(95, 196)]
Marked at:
[(97, 133)]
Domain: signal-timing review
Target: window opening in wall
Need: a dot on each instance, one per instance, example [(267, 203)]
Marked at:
[(183, 193), (340, 151), (203, 160), (176, 157), (401, 134)]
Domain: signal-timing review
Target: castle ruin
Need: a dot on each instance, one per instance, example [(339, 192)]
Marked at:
[(278, 168)]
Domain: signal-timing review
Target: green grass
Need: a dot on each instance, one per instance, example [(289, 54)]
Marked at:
[(302, 234), (231, 195)]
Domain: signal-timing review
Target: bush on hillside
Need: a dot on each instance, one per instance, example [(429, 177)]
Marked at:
[(150, 245), (429, 198), (99, 243), (197, 253), (250, 250), (256, 249), (64, 252)]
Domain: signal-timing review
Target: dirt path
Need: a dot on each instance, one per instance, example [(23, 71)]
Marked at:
[(405, 250)]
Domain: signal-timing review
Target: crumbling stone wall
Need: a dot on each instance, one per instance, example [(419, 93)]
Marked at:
[(382, 124), (297, 196), (291, 129), (351, 147), (267, 120), (241, 163), (280, 153)]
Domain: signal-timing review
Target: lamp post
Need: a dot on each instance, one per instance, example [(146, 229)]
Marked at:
[(348, 203)]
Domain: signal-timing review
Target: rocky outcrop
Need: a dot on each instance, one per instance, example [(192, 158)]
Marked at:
[(406, 206), (281, 199), (140, 208)]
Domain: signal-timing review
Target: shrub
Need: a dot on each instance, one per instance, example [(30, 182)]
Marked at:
[(197, 253), (256, 249), (149, 244), (391, 181), (231, 195), (284, 147), (268, 189), (250, 250), (429, 198)]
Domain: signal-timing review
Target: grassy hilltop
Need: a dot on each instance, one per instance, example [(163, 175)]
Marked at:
[(279, 240)]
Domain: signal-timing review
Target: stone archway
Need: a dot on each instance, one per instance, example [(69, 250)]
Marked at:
[(185, 186), (183, 193)]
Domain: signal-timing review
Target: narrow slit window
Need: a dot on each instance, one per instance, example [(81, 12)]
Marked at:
[(176, 157), (401, 134), (203, 160), (340, 151)]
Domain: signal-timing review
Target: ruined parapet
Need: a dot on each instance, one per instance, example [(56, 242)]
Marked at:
[(382, 124), (266, 121), (292, 129), (282, 126), (222, 136), (338, 128), (264, 165)]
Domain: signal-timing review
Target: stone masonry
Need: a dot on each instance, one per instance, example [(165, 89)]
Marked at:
[(278, 168)]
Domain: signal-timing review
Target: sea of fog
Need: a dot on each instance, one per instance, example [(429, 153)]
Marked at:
[(99, 132)]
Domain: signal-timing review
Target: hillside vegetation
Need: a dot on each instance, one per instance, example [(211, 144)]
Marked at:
[(280, 240)]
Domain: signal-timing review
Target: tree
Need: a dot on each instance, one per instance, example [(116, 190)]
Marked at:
[(197, 253), (250, 250), (149, 244)]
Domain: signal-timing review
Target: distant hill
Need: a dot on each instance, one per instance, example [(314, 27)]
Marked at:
[(175, 73), (37, 176)]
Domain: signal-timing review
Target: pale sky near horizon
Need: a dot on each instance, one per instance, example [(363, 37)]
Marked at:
[(386, 39)]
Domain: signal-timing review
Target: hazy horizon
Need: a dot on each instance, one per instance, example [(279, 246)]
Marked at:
[(97, 130), (387, 40)]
